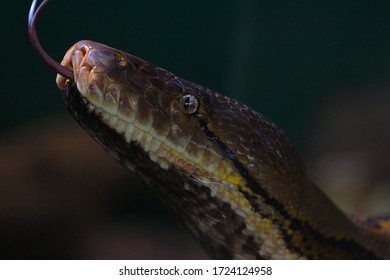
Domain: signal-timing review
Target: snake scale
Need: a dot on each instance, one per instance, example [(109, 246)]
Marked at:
[(230, 175)]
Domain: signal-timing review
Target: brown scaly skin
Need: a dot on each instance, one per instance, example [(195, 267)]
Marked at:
[(232, 177)]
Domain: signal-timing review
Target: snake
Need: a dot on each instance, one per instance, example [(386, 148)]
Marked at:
[(230, 176)]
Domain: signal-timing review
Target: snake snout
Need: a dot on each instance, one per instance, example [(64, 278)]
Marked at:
[(72, 60), (92, 64), (87, 59)]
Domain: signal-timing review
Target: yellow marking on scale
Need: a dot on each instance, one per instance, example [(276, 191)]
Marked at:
[(267, 233)]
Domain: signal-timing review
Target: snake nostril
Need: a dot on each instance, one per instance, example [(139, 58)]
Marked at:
[(84, 50), (78, 57)]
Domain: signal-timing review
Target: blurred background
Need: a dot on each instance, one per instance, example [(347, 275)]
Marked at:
[(320, 70)]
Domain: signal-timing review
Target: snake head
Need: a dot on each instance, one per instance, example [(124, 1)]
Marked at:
[(178, 123), (143, 104), (130, 90)]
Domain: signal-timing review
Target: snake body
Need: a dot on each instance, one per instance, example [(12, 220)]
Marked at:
[(229, 174)]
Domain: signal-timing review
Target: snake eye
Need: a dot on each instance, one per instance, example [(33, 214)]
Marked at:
[(189, 104)]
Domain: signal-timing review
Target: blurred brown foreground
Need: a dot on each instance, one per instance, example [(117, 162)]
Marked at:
[(63, 197)]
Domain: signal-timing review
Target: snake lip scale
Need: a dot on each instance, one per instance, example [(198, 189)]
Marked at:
[(231, 177)]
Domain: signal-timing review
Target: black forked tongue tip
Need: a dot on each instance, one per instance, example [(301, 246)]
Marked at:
[(32, 32)]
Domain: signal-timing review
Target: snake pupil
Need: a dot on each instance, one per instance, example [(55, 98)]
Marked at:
[(189, 104)]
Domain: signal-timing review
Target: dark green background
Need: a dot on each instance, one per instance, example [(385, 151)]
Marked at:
[(287, 59), (281, 57)]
